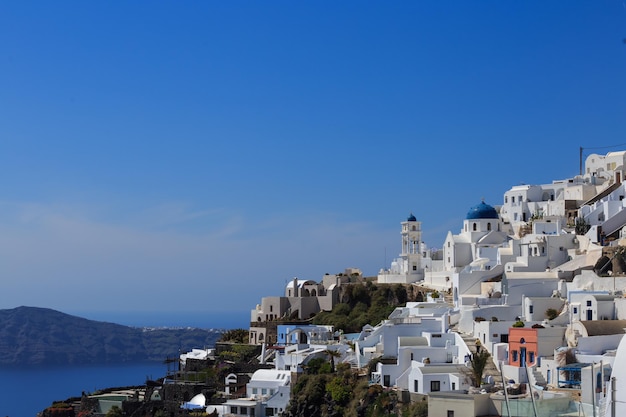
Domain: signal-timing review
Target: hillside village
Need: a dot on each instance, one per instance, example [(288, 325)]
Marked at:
[(533, 285)]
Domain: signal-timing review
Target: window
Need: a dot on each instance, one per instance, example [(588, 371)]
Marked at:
[(488, 226), (598, 382), (435, 386), (269, 412), (474, 227), (234, 410), (386, 380), (531, 357), (575, 310), (263, 391), (271, 308), (251, 411), (414, 267), (514, 356), (588, 303), (416, 386), (530, 309), (453, 386), (512, 199), (255, 391), (450, 413)]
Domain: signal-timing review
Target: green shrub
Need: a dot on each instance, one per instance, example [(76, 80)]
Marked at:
[(551, 313)]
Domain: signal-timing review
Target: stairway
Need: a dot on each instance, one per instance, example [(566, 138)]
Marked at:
[(536, 378), (490, 369)]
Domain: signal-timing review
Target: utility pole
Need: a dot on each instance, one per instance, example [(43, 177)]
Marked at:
[(580, 159)]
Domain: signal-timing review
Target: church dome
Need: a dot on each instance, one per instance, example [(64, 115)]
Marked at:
[(482, 211), (411, 218)]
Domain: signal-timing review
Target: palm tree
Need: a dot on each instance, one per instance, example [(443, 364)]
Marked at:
[(332, 354), (478, 363)]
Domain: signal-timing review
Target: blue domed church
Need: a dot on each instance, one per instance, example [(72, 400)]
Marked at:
[(478, 240)]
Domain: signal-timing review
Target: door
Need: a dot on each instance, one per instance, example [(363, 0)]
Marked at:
[(522, 357), (589, 315)]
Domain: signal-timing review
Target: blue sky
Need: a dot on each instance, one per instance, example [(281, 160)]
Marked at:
[(193, 156)]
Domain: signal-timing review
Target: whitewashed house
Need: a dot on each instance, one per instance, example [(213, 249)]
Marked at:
[(267, 394)]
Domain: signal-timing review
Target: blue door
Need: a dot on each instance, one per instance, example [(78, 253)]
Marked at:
[(522, 357)]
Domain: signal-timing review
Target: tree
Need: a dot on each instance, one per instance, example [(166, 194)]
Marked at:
[(115, 411), (478, 363), (581, 227), (551, 313), (235, 336), (332, 354)]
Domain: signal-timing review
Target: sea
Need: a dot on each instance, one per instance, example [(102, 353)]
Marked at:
[(24, 392)]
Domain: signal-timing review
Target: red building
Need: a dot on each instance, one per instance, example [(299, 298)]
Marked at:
[(526, 345), (522, 346)]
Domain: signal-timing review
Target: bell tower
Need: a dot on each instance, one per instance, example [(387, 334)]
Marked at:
[(411, 246)]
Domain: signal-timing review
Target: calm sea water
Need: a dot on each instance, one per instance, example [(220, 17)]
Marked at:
[(25, 392)]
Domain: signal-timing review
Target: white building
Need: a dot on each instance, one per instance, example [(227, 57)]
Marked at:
[(616, 390), (267, 394), (606, 168), (429, 378), (302, 300)]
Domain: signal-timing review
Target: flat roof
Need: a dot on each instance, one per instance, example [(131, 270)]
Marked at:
[(442, 369)]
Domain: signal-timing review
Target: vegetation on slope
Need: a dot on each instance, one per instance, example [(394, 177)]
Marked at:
[(324, 392), (321, 393), (365, 304)]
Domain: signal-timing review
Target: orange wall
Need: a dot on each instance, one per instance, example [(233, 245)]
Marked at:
[(520, 337)]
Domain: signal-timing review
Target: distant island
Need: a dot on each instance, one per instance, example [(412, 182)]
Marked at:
[(32, 336)]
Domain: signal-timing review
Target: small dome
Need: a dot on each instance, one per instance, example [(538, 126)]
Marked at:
[(411, 218), (482, 211)]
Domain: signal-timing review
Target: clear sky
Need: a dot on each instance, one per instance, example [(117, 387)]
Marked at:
[(196, 155)]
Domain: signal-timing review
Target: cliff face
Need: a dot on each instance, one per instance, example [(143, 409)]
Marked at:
[(40, 336)]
